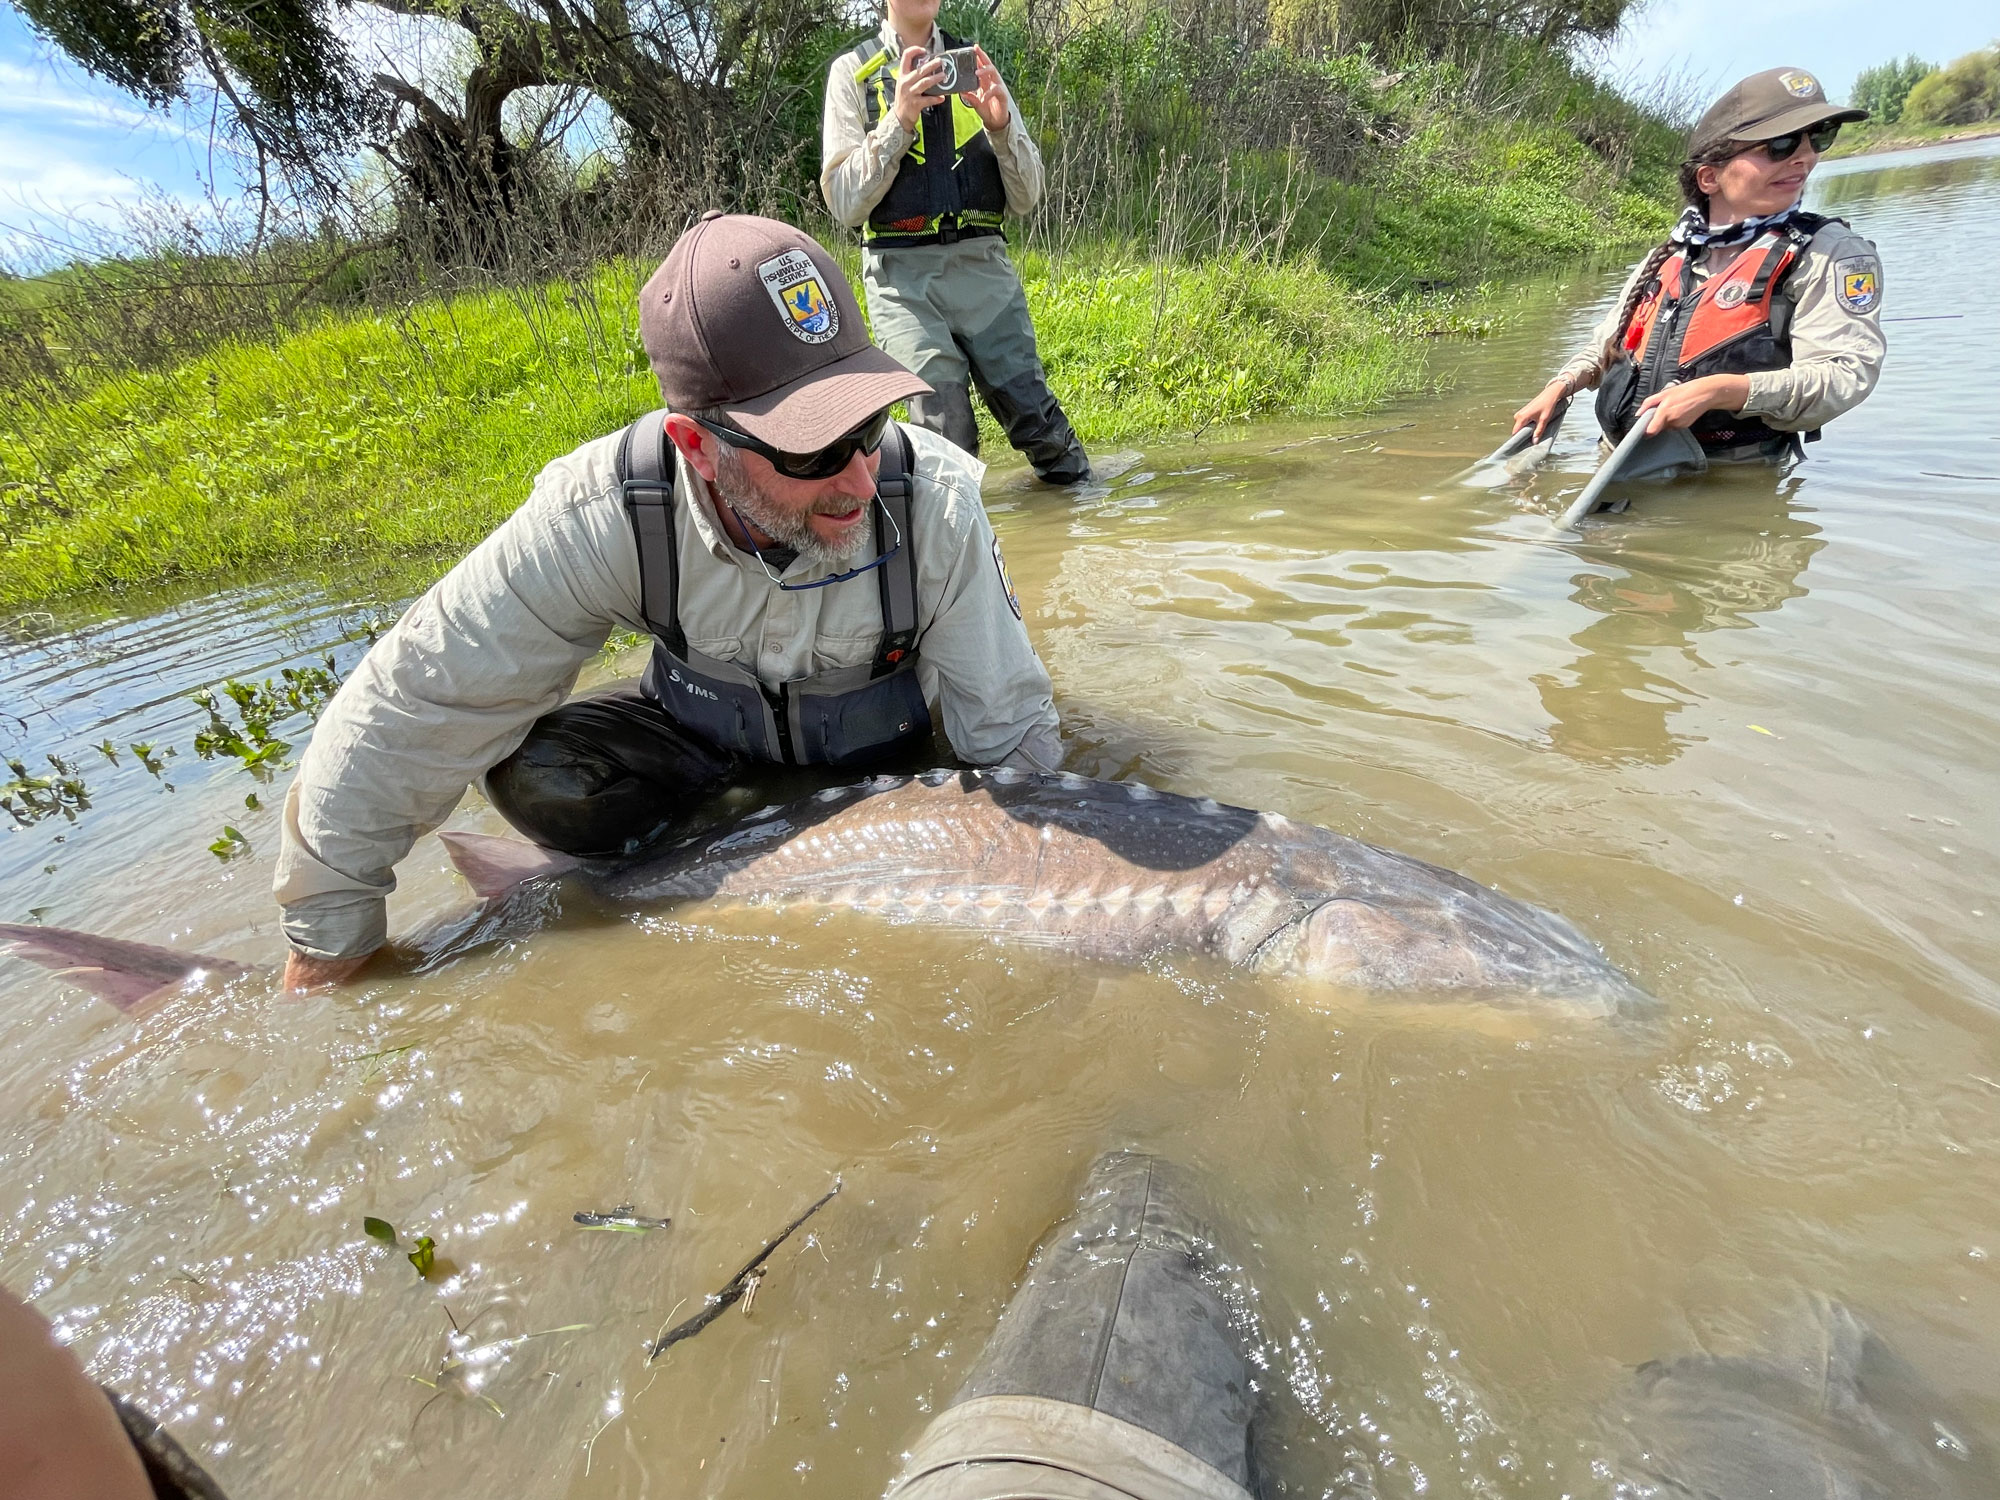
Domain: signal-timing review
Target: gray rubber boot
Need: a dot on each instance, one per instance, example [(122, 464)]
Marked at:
[(1115, 1316), (1037, 425), (949, 414)]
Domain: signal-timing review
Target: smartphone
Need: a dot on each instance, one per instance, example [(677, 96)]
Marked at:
[(961, 71)]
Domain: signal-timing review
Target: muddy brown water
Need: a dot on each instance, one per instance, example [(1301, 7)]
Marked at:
[(1744, 736)]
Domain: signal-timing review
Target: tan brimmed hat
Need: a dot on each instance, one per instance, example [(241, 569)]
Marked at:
[(1765, 105), (751, 318)]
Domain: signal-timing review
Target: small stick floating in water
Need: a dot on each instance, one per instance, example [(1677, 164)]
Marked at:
[(623, 1219), (745, 1281)]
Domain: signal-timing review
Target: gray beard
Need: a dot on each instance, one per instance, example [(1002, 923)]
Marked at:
[(787, 528)]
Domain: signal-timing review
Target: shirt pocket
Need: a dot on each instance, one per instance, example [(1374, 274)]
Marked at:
[(832, 651)]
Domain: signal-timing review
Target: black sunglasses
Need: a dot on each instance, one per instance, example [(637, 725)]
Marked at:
[(824, 464), (1781, 147)]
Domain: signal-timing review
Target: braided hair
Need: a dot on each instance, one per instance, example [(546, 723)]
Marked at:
[(1692, 195)]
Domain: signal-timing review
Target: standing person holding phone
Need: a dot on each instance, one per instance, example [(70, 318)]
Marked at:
[(923, 150), (1756, 322)]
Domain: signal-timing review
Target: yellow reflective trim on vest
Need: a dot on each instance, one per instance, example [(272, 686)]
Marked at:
[(965, 122)]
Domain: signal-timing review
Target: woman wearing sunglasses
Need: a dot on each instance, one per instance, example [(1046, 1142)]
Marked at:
[(1756, 323)]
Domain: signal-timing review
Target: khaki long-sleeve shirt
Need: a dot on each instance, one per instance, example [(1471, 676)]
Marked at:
[(857, 164), (1837, 339), (453, 688)]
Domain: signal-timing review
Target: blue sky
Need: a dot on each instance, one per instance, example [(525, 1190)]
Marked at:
[(72, 146), (1712, 43)]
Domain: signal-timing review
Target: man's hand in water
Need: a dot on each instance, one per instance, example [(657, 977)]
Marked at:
[(1543, 407), (304, 972), (1680, 405)]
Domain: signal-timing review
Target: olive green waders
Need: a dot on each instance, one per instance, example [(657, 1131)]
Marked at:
[(954, 313), (1113, 1375)]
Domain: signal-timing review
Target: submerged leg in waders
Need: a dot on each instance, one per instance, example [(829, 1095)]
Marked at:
[(1113, 1374), (957, 316)]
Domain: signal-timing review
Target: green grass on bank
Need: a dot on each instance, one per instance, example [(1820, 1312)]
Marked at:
[(364, 436)]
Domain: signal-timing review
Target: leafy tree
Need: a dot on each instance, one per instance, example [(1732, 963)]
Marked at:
[(1964, 93), (693, 82), (277, 64), (1882, 89)]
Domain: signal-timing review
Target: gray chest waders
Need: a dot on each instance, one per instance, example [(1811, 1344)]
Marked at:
[(845, 716)]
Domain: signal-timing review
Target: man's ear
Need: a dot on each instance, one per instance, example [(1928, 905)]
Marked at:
[(696, 442)]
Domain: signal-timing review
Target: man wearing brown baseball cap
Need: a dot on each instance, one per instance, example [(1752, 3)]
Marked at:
[(1757, 322), (818, 582)]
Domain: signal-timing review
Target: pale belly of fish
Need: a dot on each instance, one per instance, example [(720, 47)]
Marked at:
[(1120, 871)]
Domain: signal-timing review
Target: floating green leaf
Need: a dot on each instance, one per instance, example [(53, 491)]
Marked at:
[(231, 844), (252, 803), (424, 1256), (379, 1229), (29, 798)]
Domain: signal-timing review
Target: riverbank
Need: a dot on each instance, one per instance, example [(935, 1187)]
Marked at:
[(409, 434), (1864, 140)]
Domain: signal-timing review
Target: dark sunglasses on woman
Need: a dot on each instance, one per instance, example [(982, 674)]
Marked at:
[(1782, 147), (824, 464)]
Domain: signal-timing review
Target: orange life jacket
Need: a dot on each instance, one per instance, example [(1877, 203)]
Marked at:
[(1731, 325)]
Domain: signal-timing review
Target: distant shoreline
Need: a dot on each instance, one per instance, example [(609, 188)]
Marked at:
[(1912, 142)]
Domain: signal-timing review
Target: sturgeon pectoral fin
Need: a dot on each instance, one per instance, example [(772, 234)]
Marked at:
[(127, 975), (493, 865)]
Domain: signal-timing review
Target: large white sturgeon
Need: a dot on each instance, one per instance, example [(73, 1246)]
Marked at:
[(1110, 870)]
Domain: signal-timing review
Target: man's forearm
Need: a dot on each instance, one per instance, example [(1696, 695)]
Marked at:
[(304, 972), (1020, 164), (859, 164)]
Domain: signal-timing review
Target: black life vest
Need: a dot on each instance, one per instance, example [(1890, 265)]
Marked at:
[(949, 186), (840, 717), (1734, 323)]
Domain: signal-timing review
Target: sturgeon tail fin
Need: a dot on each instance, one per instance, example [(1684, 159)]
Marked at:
[(127, 975), (493, 865)]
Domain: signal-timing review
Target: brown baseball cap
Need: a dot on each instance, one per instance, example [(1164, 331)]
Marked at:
[(1775, 102), (751, 318)]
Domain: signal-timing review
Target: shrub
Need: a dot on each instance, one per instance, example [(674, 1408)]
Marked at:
[(1963, 94)]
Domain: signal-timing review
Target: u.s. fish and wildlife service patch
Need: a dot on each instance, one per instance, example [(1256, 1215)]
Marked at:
[(793, 282), (1006, 579), (1858, 283)]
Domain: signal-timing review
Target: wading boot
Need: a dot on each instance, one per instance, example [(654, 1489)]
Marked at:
[(1113, 1374), (1038, 427)]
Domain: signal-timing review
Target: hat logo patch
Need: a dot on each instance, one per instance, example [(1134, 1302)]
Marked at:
[(793, 282), (1857, 289), (1799, 85)]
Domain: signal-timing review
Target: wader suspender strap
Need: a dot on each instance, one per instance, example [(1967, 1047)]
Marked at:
[(1792, 243), (899, 575), (646, 484)]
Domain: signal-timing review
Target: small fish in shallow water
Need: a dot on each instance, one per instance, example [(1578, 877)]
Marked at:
[(623, 1218), (1110, 870)]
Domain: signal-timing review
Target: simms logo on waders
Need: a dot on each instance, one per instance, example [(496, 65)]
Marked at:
[(793, 282), (693, 687)]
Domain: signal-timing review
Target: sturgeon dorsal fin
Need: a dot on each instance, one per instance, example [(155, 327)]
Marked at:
[(127, 975), (493, 865)]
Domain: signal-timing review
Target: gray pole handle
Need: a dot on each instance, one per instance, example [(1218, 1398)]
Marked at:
[(1607, 471)]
